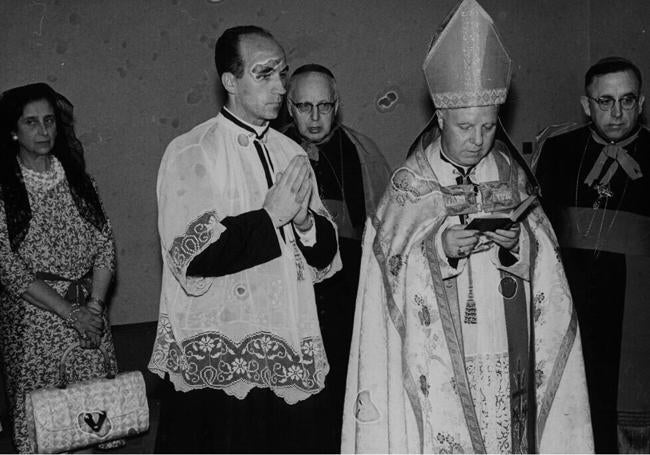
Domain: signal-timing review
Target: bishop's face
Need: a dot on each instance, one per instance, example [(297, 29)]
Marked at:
[(313, 105), (615, 123), (467, 133)]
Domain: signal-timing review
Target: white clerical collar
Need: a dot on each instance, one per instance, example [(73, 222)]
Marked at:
[(259, 131), (446, 158)]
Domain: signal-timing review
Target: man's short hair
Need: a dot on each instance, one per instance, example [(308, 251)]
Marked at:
[(227, 51), (609, 65), (313, 68)]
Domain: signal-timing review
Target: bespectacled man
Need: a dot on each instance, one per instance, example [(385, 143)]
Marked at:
[(595, 188), (351, 175), (614, 103)]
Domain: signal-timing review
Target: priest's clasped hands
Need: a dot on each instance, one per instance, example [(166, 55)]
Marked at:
[(288, 199), (458, 242)]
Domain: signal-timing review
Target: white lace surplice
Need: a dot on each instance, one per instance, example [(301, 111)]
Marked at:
[(254, 328)]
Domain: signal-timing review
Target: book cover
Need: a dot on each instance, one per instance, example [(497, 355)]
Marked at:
[(501, 220)]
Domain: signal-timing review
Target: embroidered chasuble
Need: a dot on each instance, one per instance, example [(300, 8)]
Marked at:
[(254, 325), (480, 354)]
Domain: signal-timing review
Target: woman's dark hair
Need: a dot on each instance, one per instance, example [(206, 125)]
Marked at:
[(67, 149), (12, 105)]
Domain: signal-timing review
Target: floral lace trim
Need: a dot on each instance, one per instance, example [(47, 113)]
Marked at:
[(40, 182), (198, 234), (263, 359)]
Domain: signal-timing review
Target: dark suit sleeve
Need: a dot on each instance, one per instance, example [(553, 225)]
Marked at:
[(249, 240), (322, 253)]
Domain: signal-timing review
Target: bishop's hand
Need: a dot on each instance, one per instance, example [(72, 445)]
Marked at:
[(458, 242), (507, 239)]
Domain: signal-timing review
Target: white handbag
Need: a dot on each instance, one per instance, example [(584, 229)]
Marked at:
[(72, 416)]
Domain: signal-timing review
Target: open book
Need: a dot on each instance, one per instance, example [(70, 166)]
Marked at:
[(501, 220)]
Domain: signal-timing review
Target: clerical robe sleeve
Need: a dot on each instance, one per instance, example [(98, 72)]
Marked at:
[(193, 200), (249, 240), (323, 251)]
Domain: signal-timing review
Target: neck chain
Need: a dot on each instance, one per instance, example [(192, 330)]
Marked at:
[(604, 195)]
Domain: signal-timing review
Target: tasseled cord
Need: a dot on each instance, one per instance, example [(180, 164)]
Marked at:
[(470, 304)]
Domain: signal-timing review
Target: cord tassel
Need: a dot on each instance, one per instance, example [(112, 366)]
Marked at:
[(470, 304)]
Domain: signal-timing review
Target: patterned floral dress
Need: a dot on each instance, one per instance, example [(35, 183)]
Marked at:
[(32, 340)]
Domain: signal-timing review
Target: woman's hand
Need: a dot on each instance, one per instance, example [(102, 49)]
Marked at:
[(89, 325), (92, 341)]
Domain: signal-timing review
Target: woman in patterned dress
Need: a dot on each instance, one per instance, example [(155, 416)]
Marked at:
[(57, 254)]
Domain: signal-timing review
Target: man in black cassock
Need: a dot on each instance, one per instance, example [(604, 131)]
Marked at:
[(595, 182), (351, 174)]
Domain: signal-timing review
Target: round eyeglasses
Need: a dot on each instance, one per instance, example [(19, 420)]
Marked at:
[(606, 103), (324, 107)]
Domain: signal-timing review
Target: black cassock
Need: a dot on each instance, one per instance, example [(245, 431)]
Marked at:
[(340, 187), (604, 235)]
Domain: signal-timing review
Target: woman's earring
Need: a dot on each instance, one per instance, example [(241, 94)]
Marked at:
[(14, 137)]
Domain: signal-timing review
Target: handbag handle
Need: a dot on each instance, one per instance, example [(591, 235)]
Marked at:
[(63, 382)]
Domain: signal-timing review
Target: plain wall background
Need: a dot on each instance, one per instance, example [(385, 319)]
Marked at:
[(141, 72)]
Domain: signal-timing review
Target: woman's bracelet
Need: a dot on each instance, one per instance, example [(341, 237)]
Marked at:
[(71, 318)]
